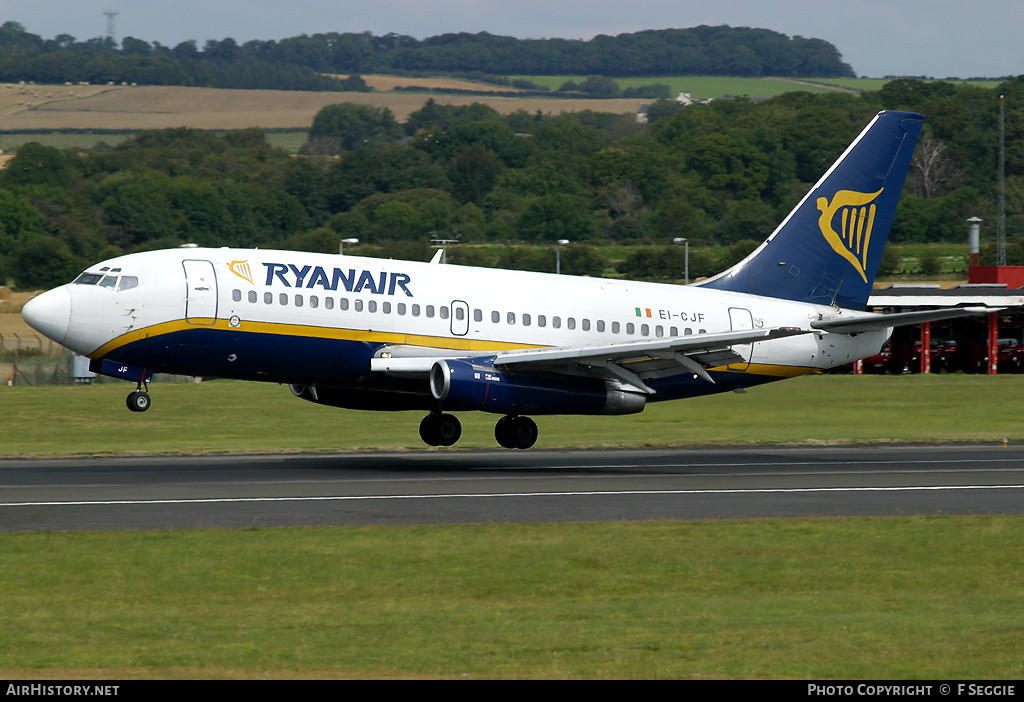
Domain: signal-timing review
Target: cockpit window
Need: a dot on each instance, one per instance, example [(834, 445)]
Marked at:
[(128, 282), (114, 282), (88, 279)]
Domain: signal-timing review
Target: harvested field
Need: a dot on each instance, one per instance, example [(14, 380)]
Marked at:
[(17, 99), (158, 107)]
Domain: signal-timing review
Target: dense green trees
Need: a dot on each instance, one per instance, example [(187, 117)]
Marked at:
[(299, 63), (506, 188)]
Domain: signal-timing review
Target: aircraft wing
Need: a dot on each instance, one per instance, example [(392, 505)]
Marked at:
[(625, 361), (622, 361), (874, 322)]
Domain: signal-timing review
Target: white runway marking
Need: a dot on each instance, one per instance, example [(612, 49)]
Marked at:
[(587, 493)]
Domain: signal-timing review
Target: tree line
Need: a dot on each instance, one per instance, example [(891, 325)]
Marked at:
[(300, 63), (721, 175)]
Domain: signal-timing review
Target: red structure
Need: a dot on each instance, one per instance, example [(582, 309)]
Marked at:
[(1010, 276), (971, 346)]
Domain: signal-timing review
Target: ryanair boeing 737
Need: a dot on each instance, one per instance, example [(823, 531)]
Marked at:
[(377, 334)]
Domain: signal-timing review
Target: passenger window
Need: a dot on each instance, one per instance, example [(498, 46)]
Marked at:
[(616, 327), (687, 332), (586, 325), (526, 320), (495, 317), (385, 307), (359, 305), (570, 323), (630, 328), (415, 310), (128, 282), (343, 303), (298, 300), (314, 301), (268, 298), (371, 306), (236, 295), (460, 313), (600, 325), (401, 308), (444, 312), (556, 322), (702, 331), (478, 315), (542, 321), (430, 311), (329, 303), (659, 331), (645, 330), (253, 296), (673, 331), (283, 298), (511, 318)]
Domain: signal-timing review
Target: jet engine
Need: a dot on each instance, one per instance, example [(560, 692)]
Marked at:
[(464, 385)]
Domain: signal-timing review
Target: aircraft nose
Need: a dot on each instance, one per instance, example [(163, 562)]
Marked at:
[(50, 313)]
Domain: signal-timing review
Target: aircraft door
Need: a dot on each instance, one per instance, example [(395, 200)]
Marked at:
[(740, 320), (201, 298), (460, 318)]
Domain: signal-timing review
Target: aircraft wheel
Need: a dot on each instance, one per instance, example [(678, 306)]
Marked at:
[(516, 432), (449, 429), (503, 434), (440, 429), (138, 401)]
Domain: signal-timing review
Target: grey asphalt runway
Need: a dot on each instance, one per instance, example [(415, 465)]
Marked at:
[(434, 487)]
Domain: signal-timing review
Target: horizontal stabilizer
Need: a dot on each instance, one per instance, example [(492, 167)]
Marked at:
[(856, 325)]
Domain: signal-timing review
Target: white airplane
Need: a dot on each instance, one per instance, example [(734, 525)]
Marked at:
[(377, 334)]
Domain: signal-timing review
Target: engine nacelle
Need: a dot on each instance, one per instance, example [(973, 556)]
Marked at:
[(462, 385)]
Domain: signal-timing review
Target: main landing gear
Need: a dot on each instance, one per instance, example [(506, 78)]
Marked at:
[(440, 429), (512, 432), (138, 401)]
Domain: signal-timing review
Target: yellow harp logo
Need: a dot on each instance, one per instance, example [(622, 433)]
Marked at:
[(856, 217), (241, 269)]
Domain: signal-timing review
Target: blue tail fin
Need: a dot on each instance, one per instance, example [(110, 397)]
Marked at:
[(828, 248)]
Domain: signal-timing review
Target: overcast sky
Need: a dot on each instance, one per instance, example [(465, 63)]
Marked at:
[(938, 38)]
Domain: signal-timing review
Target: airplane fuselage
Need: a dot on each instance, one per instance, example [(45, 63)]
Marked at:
[(318, 319)]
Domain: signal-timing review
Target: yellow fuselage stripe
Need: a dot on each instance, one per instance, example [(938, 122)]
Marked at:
[(380, 337)]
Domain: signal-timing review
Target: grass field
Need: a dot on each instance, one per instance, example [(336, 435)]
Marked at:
[(265, 418), (924, 598), (894, 598)]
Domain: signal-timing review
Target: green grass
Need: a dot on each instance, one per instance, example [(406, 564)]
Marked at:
[(237, 417), (699, 87), (819, 599), (894, 598)]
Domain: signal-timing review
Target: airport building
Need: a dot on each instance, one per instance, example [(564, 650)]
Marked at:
[(993, 343)]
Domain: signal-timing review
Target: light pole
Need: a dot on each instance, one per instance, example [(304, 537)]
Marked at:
[(341, 245), (558, 255), (686, 257)]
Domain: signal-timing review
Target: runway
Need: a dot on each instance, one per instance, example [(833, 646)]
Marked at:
[(439, 486)]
